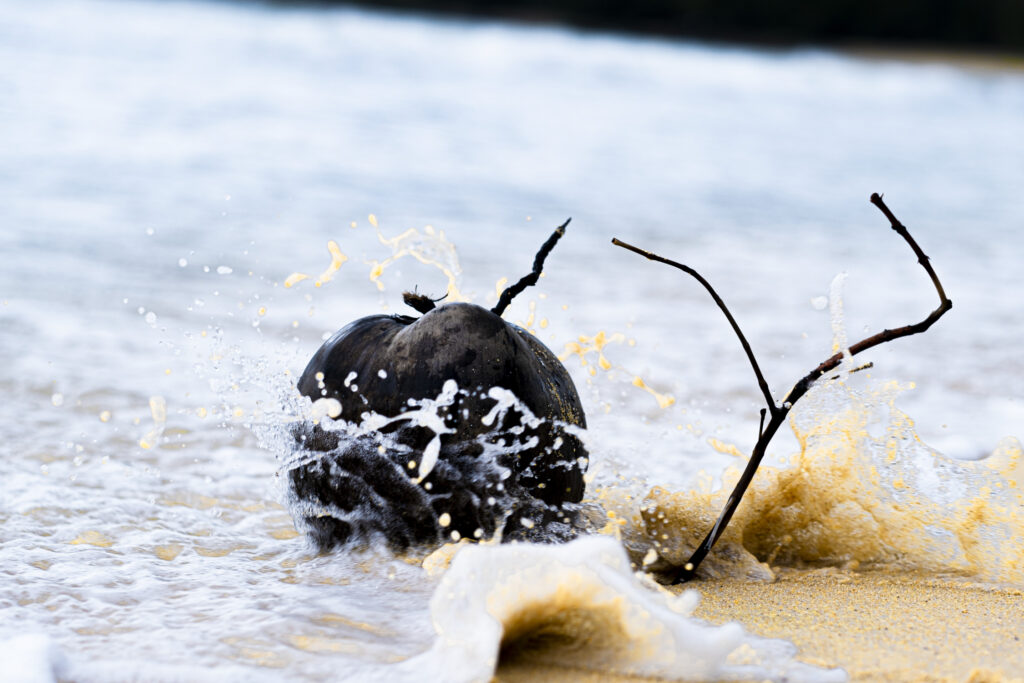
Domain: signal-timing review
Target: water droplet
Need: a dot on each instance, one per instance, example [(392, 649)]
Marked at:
[(331, 407)]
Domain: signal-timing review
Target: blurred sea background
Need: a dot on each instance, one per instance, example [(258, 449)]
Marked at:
[(166, 166)]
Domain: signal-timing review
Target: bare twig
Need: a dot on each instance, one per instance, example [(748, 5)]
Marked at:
[(778, 414), (761, 382), (530, 279)]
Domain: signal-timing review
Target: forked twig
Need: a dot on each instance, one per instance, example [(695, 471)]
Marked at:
[(531, 278), (779, 413)]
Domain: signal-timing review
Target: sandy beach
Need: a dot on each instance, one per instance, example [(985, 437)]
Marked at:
[(877, 625), (882, 626)]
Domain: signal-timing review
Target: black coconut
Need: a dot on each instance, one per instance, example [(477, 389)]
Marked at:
[(357, 488)]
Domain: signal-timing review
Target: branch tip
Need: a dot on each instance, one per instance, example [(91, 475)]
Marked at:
[(530, 278)]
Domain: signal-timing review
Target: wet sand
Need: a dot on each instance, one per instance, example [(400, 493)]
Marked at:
[(878, 626), (882, 626)]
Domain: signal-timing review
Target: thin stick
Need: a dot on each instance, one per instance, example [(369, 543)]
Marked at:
[(778, 416), (772, 408), (530, 279)]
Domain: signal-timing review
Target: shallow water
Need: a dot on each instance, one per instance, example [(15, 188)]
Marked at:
[(166, 167)]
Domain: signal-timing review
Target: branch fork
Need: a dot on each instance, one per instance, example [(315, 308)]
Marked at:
[(777, 413)]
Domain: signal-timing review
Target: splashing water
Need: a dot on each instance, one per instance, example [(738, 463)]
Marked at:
[(864, 490), (337, 260), (430, 247), (585, 345), (363, 483)]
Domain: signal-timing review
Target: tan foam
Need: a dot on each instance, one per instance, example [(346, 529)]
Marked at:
[(856, 494)]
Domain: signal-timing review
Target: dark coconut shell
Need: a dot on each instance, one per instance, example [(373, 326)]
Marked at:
[(358, 490)]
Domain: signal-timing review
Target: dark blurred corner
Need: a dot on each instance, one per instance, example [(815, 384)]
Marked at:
[(985, 25)]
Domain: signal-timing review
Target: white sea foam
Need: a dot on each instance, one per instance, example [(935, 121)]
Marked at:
[(31, 658), (581, 605)]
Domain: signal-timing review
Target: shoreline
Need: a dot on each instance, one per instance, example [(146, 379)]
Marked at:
[(679, 21), (882, 625), (961, 59)]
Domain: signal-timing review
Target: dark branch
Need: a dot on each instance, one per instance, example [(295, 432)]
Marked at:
[(760, 427), (531, 279), (885, 335), (778, 415), (925, 262), (721, 304)]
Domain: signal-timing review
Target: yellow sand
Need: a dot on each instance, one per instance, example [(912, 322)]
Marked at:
[(882, 626), (878, 626)]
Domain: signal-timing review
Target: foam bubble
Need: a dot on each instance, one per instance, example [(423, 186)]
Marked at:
[(31, 658)]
